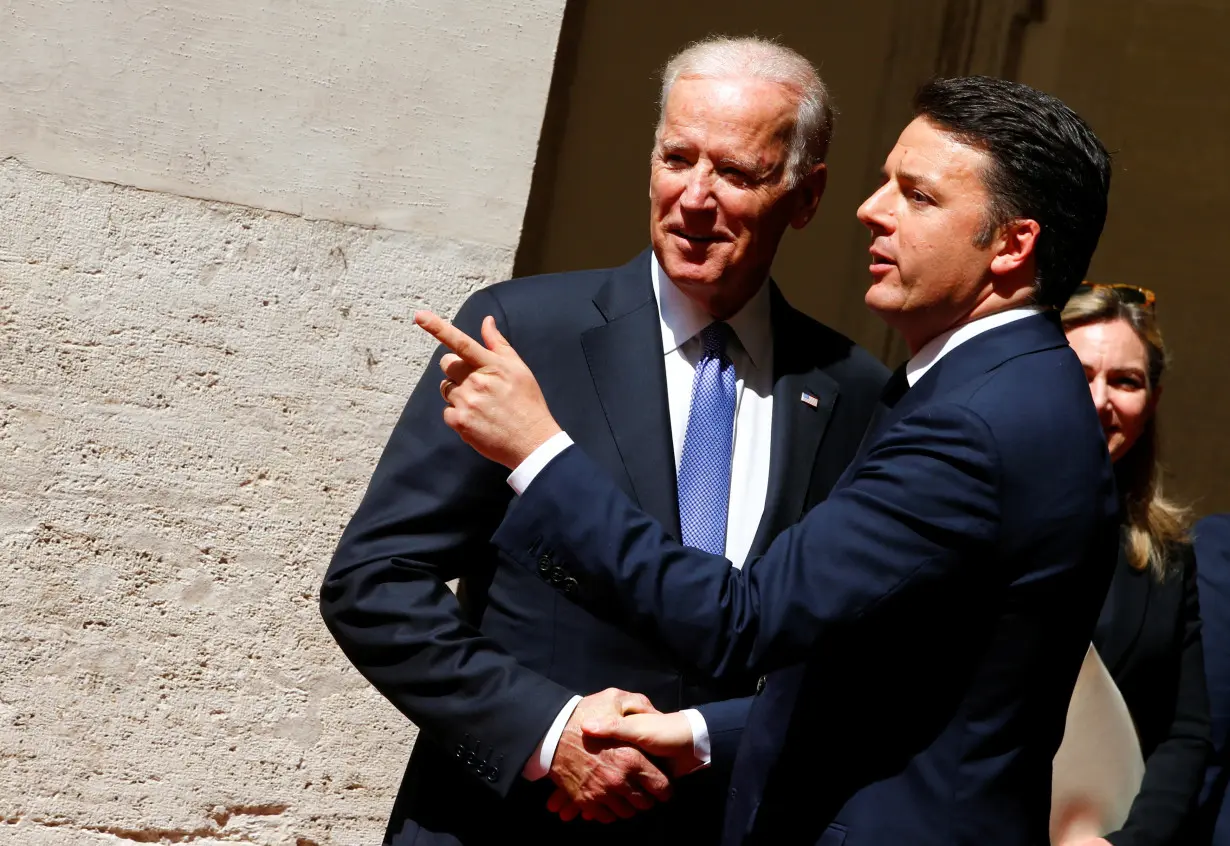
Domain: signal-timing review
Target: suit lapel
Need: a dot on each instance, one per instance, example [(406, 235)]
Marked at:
[(980, 354), (627, 365), (1123, 614), (798, 426)]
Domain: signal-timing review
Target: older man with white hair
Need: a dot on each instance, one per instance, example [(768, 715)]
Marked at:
[(716, 406)]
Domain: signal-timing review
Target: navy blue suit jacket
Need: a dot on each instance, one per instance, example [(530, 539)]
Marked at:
[(922, 627), (484, 673), (1211, 539)]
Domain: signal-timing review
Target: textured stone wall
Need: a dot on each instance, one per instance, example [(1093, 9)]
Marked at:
[(193, 392)]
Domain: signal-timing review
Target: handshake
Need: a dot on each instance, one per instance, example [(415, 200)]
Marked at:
[(611, 758)]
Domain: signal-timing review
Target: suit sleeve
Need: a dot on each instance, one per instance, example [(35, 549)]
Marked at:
[(1211, 539), (921, 508), (724, 721), (1174, 772), (426, 519)]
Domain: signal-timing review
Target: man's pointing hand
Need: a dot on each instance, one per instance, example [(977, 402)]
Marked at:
[(493, 400)]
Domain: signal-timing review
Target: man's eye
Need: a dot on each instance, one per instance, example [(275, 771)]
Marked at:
[(734, 174), (919, 197), (676, 160)]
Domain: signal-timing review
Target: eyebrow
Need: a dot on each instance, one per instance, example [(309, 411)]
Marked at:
[(1125, 370), (916, 179), (747, 165), (668, 146)]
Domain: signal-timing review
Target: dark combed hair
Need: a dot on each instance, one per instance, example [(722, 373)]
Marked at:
[(1045, 165)]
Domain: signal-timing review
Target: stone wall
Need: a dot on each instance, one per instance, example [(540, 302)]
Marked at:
[(218, 220)]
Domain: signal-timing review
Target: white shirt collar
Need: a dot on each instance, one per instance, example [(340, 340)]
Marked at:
[(942, 345), (682, 319)]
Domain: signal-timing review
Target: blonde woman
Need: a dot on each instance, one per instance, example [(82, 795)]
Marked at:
[(1148, 634)]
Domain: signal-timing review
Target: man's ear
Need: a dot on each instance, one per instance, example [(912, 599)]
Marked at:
[(1015, 245), (809, 192)]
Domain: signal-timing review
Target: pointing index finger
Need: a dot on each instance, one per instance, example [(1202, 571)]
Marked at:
[(471, 351)]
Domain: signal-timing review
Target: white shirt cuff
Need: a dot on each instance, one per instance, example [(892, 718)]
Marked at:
[(527, 470), (539, 763), (701, 749)]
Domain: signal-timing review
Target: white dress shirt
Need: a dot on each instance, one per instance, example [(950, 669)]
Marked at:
[(751, 352)]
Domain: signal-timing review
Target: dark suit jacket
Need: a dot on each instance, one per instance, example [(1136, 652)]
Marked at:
[(1211, 539), (942, 599), (484, 675), (1148, 636)]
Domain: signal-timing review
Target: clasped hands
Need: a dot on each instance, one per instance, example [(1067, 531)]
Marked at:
[(610, 759), (602, 767)]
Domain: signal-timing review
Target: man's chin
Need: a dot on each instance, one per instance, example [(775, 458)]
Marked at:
[(686, 270), (880, 300)]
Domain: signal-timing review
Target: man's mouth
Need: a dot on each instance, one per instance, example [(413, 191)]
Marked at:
[(696, 238), (879, 258), (880, 263)]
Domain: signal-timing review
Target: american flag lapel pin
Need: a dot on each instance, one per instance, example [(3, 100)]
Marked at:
[(811, 399)]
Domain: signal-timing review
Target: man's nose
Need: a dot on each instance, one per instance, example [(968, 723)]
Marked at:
[(873, 213), (698, 195)]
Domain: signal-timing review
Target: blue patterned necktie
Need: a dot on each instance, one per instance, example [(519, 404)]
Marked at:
[(704, 469)]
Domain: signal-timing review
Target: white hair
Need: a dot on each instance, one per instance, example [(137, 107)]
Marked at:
[(721, 57)]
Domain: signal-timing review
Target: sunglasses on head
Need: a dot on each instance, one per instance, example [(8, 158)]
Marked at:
[(1131, 294)]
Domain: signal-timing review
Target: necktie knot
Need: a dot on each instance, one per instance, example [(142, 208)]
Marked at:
[(713, 339)]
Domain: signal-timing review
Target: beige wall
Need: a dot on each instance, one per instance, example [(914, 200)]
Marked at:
[(1148, 74), (193, 392)]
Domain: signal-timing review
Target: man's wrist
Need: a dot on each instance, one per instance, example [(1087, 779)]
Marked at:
[(520, 478), (539, 763), (702, 753)]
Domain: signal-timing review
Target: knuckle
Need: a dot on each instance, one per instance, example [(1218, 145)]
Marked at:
[(627, 757)]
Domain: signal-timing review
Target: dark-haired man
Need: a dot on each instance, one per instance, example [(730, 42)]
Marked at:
[(922, 628)]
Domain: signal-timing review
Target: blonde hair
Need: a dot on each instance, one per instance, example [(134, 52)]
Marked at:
[(721, 57), (1153, 521)]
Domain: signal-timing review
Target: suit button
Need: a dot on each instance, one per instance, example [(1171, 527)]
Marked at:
[(760, 682), (558, 575), (493, 774), (544, 565), (570, 585), (734, 793)]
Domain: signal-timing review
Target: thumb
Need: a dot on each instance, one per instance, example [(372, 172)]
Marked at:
[(635, 703), (612, 728), (492, 337)]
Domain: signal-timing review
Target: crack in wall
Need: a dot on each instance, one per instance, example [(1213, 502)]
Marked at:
[(214, 831)]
